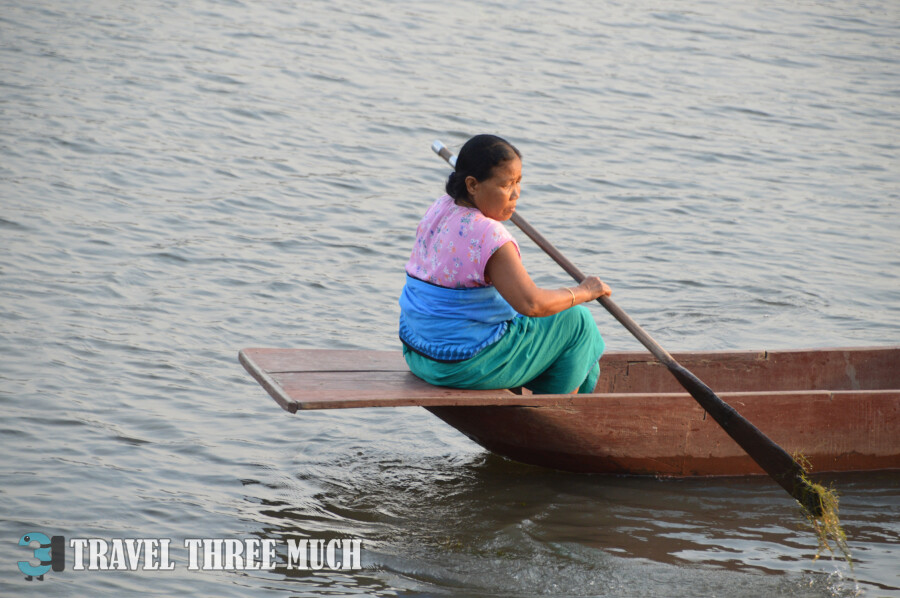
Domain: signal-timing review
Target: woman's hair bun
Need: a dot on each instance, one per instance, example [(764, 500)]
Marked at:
[(456, 186)]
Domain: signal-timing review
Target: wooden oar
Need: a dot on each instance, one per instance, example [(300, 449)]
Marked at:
[(773, 459)]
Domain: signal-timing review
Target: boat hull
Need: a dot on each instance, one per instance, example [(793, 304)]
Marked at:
[(669, 435), (839, 409)]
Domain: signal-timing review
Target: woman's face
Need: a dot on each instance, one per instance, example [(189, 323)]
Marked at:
[(496, 197)]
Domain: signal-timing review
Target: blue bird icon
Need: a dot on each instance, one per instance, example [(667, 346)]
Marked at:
[(42, 554)]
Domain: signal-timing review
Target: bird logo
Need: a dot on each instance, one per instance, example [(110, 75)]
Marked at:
[(50, 554)]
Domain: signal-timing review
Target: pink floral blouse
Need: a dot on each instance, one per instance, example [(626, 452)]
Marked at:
[(453, 245)]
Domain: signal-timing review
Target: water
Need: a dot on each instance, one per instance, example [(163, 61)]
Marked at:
[(181, 180)]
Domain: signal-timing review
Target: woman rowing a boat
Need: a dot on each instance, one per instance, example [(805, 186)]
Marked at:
[(471, 317)]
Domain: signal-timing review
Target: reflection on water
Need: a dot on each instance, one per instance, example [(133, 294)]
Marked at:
[(181, 180), (486, 522)]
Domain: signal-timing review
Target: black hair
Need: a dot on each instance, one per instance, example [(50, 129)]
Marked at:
[(478, 157)]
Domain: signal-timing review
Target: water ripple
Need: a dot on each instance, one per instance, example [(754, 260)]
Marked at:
[(179, 181)]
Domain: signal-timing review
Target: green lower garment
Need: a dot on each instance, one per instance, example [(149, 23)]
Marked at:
[(553, 355)]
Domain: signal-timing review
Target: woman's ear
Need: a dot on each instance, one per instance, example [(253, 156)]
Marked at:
[(471, 185)]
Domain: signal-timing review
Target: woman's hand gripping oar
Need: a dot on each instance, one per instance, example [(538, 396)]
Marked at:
[(773, 459)]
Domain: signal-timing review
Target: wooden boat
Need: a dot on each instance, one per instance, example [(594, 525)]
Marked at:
[(840, 408)]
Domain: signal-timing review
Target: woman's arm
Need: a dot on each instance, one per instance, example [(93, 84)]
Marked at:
[(508, 275)]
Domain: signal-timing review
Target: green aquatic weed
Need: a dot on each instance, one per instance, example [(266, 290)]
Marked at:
[(827, 526)]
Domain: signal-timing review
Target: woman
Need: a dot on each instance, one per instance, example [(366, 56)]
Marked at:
[(471, 317)]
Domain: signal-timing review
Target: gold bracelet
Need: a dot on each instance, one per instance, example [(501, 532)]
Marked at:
[(573, 296)]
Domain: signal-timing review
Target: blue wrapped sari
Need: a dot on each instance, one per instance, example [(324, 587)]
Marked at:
[(473, 338)]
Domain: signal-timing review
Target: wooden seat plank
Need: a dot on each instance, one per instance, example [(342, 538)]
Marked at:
[(326, 360), (323, 379), (317, 390)]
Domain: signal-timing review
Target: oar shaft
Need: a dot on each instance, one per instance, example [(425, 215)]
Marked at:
[(441, 150), (768, 455), (680, 372)]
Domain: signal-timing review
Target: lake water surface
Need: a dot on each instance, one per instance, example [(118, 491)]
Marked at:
[(179, 180)]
